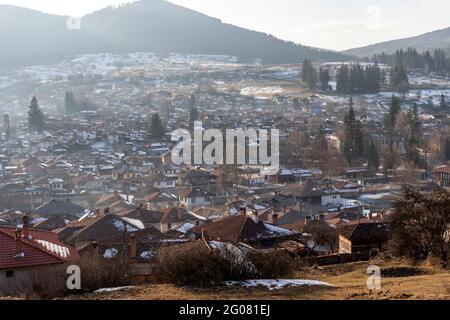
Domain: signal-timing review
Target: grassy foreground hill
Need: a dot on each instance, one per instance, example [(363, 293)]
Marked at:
[(399, 282)]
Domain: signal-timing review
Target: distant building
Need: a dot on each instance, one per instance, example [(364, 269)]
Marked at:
[(441, 176)]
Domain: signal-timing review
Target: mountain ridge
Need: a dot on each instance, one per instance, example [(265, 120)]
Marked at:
[(437, 39), (147, 25)]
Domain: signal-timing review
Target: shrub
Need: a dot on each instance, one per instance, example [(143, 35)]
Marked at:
[(202, 269), (399, 272), (199, 269), (273, 265), (420, 228), (98, 272)]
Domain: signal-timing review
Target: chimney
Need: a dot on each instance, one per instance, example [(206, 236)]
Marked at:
[(254, 216), (164, 227), (370, 215), (25, 226), (322, 217), (301, 208), (308, 219), (273, 219), (133, 246), (382, 215), (18, 236), (243, 211), (95, 247)]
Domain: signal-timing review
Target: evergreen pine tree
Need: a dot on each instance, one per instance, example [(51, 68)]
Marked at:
[(353, 143), (309, 74), (415, 124), (70, 104), (156, 127), (447, 149), (373, 157), (343, 80), (296, 103), (324, 77), (443, 104), (399, 79), (391, 116), (35, 116)]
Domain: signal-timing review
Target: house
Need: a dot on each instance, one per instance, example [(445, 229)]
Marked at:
[(139, 246), (174, 216), (160, 200), (49, 224), (198, 178), (103, 229), (195, 197), (23, 251), (163, 182), (58, 185), (358, 173), (281, 202), (208, 212), (149, 218), (21, 196), (87, 182), (330, 197), (63, 208), (245, 228), (363, 238), (114, 203), (310, 192), (441, 176)]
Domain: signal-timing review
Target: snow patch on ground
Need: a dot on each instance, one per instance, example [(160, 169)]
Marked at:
[(104, 290), (275, 284)]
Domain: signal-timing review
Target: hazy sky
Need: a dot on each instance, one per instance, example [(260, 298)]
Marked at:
[(333, 24)]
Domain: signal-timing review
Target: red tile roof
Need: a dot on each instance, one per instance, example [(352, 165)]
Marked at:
[(41, 248), (445, 169)]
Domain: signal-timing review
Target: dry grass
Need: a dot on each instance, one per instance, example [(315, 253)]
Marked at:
[(349, 279)]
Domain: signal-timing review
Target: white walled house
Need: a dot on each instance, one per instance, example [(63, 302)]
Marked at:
[(330, 198)]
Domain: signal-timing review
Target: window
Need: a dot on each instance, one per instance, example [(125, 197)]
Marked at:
[(9, 273)]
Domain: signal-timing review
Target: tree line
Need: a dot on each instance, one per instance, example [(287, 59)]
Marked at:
[(358, 79), (427, 62)]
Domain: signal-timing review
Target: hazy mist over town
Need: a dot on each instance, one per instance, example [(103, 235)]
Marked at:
[(226, 151)]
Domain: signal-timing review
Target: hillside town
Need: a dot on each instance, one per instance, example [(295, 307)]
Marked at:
[(86, 166)]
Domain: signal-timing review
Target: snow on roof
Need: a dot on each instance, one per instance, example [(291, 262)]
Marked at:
[(148, 254), (120, 225), (61, 251), (38, 220), (137, 223), (277, 230), (196, 215), (110, 253), (184, 227)]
